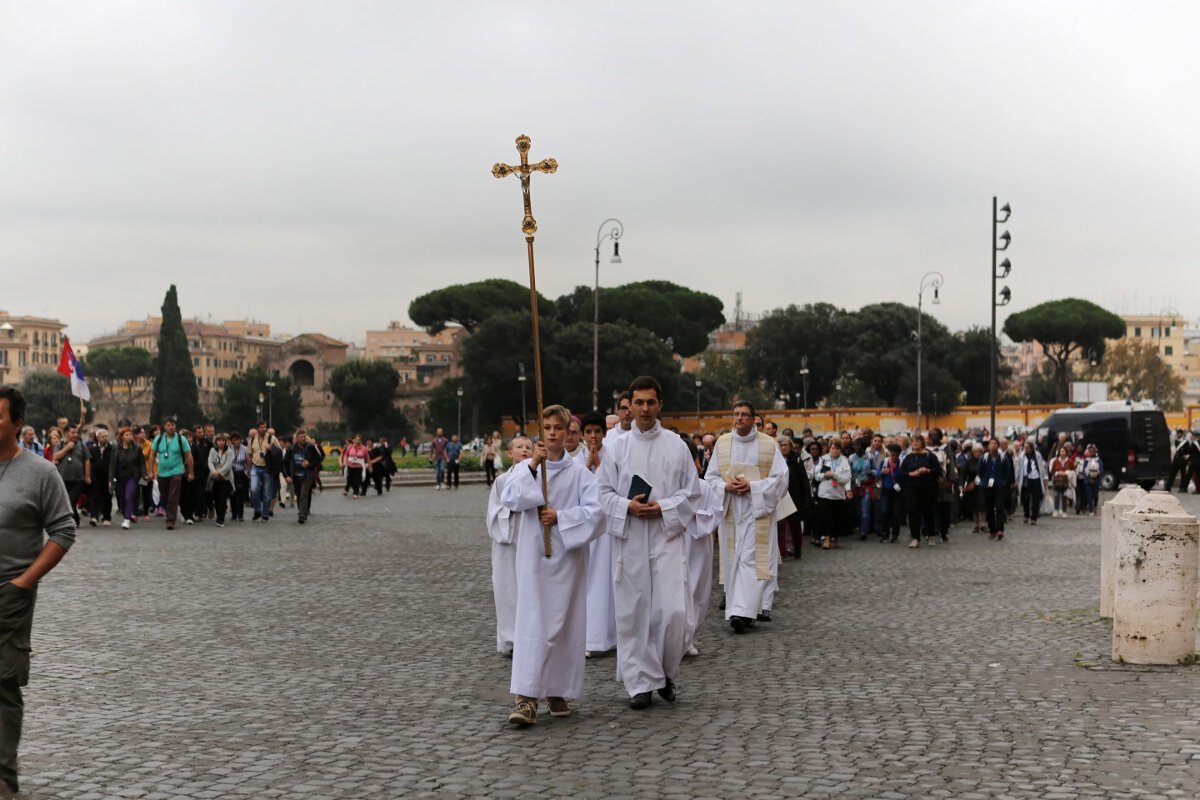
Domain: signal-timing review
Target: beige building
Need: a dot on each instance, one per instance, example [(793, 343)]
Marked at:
[(423, 360), (28, 344), (1177, 343)]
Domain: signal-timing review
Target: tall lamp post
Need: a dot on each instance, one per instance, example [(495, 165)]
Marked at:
[(258, 408), (458, 427), (999, 271), (1163, 313), (930, 280), (699, 383), (614, 232), (521, 380), (270, 404)]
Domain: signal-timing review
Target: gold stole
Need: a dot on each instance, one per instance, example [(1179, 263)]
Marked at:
[(763, 529)]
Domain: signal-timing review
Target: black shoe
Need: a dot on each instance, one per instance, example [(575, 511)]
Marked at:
[(668, 692), (641, 701), (300, 520), (862, 538), (721, 605), (738, 624), (257, 517), (764, 616), (946, 538), (893, 539)]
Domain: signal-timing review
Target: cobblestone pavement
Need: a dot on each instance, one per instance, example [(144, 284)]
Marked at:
[(354, 657)]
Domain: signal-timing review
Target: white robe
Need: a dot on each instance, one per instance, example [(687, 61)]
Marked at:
[(744, 592), (601, 607), (551, 624), (699, 553), (502, 530), (614, 433), (650, 576)]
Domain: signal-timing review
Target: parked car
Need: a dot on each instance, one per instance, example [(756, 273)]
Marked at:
[(1133, 440)]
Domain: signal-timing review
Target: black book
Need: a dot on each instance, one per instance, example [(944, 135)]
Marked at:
[(639, 487)]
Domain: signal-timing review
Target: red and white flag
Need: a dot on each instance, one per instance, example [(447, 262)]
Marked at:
[(69, 365)]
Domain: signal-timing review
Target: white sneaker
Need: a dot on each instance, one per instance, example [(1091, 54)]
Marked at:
[(188, 521), (106, 523), (914, 544), (125, 525), (692, 651), (930, 541)]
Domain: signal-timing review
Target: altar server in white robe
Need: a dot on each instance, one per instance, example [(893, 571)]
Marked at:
[(601, 608), (551, 627), (502, 529), (698, 549), (624, 419), (752, 475), (650, 577)]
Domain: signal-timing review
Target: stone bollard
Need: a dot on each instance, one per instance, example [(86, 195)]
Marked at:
[(1154, 609), (1110, 519)]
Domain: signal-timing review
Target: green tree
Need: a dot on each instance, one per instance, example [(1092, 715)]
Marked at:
[(175, 391), (470, 304), (851, 392), (237, 407), (492, 375), (626, 351), (940, 390), (366, 390), (788, 337), (120, 366), (882, 350), (1042, 386), (664, 308), (442, 410), (969, 361), (48, 397), (1064, 328), (1133, 370)]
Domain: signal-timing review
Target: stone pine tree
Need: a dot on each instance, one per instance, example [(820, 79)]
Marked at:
[(175, 392)]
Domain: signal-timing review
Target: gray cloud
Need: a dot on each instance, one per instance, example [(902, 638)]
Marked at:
[(319, 165)]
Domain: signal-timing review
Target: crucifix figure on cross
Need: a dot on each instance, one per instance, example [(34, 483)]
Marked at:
[(529, 227), (523, 171)]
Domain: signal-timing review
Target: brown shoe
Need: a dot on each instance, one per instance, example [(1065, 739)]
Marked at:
[(558, 707), (524, 713), (824, 542)]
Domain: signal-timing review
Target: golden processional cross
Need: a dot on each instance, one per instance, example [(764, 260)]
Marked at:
[(529, 228)]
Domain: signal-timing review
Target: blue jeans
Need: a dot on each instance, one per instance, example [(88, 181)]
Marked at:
[(440, 465), (260, 491), (866, 506), (891, 512), (1093, 494)]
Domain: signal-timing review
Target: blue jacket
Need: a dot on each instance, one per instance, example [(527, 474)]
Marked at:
[(995, 471)]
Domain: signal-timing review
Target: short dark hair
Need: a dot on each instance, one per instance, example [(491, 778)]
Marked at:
[(260, 423), (745, 404), (593, 418), (644, 383), (16, 403), (71, 427), (625, 395)]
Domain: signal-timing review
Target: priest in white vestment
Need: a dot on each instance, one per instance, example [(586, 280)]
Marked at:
[(502, 530), (551, 626), (751, 473), (699, 553), (624, 419), (601, 608), (650, 576)]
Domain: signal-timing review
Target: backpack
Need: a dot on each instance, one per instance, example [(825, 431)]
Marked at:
[(1093, 469)]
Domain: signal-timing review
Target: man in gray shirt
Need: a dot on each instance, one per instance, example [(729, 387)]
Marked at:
[(74, 467), (33, 503)]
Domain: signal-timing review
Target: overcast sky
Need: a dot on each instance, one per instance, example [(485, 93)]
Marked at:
[(318, 165)]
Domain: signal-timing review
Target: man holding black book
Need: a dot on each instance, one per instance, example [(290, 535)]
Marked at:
[(649, 490)]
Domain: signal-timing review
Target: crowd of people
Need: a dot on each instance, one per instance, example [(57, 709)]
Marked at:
[(183, 475), (604, 532)]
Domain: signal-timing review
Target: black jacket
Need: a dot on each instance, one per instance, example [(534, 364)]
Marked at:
[(311, 454)]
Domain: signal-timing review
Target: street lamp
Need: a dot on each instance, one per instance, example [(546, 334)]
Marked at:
[(616, 397), (1162, 313), (699, 383), (458, 427), (999, 271), (804, 377), (258, 408), (614, 232), (521, 380), (930, 280), (270, 403)]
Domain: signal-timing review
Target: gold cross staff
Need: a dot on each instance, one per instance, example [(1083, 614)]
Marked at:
[(529, 227), (523, 171)]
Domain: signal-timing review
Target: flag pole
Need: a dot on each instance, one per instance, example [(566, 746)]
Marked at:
[(529, 227)]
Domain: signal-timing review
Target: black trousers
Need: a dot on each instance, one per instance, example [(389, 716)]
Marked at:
[(489, 469), (921, 505), (833, 517), (302, 486), (238, 495), (996, 501), (100, 500), (16, 625), (452, 473), (1031, 498), (203, 501), (74, 492), (354, 480)]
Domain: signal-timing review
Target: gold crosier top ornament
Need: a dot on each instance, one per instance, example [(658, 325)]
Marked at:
[(529, 227)]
